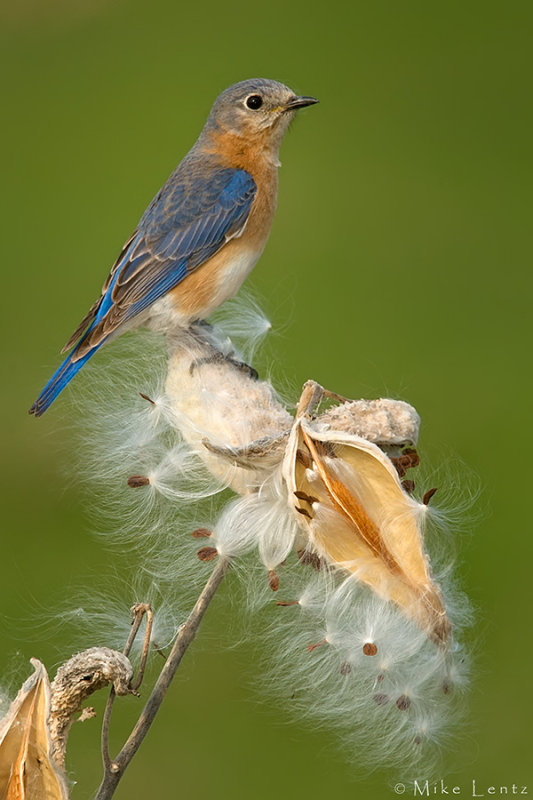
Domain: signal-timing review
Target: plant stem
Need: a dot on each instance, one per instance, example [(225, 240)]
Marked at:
[(114, 770)]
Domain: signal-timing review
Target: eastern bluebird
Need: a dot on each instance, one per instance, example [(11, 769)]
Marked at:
[(202, 233)]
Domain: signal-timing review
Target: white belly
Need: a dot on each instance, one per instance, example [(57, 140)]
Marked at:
[(167, 312), (232, 276)]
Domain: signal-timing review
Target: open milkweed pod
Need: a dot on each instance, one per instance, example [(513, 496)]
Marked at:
[(221, 408), (27, 769), (347, 496)]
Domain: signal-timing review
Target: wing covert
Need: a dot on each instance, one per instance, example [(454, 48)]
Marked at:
[(186, 223)]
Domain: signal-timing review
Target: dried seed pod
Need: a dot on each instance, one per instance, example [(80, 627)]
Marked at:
[(78, 678), (27, 768), (384, 421), (361, 518)]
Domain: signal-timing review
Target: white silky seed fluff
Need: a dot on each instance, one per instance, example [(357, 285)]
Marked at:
[(335, 683)]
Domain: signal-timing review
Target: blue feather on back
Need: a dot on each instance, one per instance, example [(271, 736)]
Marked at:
[(188, 221)]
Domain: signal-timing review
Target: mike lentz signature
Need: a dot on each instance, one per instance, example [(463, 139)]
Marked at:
[(475, 789)]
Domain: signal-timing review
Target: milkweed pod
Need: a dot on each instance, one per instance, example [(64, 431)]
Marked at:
[(346, 495), (27, 769), (386, 422)]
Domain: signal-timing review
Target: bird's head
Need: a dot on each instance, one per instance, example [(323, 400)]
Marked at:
[(256, 108)]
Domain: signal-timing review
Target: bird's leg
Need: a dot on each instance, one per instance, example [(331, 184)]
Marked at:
[(242, 366), (220, 358), (205, 333), (201, 325)]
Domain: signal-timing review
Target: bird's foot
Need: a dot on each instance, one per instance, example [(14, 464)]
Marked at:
[(220, 358)]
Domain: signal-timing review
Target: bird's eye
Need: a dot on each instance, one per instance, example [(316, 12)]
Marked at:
[(254, 102)]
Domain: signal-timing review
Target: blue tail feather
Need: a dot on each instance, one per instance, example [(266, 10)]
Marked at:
[(60, 379)]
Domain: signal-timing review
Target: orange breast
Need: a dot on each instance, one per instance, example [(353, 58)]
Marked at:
[(221, 276)]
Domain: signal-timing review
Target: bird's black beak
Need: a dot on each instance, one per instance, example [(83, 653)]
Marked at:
[(299, 102)]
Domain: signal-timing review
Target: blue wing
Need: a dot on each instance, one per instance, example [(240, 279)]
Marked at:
[(199, 208)]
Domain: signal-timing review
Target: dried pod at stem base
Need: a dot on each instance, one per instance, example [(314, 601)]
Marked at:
[(360, 519), (27, 769)]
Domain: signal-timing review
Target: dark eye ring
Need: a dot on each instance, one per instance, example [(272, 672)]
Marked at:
[(254, 102)]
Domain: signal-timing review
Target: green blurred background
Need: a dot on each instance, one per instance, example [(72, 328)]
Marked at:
[(399, 264)]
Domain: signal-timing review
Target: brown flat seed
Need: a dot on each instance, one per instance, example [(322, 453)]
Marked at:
[(304, 458), (409, 486), (306, 557), (288, 603), (410, 458), (428, 495), (325, 448), (381, 699), (400, 469), (370, 649), (403, 702), (407, 460), (303, 511), (311, 647), (346, 668), (145, 397), (138, 480), (207, 553), (201, 533), (273, 580), (307, 497), (418, 740)]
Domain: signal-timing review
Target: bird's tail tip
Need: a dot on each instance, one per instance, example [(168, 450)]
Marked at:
[(44, 401), (36, 409), (61, 378)]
